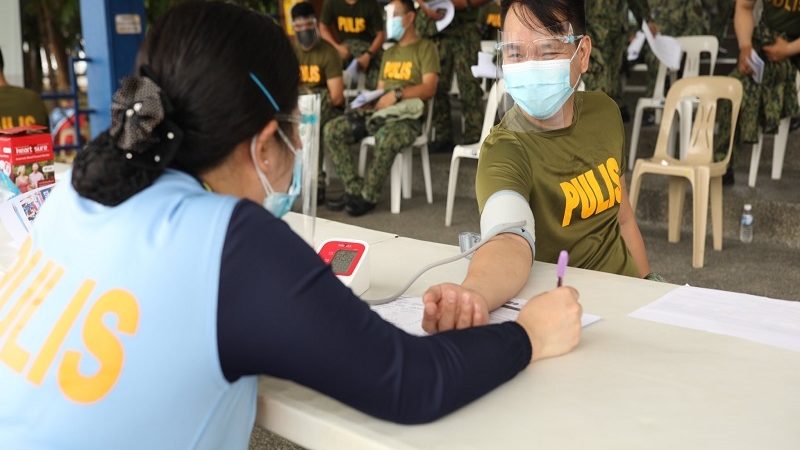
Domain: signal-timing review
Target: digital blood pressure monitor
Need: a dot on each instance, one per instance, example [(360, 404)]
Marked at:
[(348, 260)]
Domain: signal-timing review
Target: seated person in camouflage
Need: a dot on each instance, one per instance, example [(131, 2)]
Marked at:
[(777, 42), (409, 70), (554, 166), (320, 72), (19, 107), (355, 29)]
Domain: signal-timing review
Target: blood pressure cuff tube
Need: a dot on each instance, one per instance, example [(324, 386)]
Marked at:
[(508, 207)]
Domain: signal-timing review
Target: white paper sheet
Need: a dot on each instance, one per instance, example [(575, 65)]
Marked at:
[(449, 12), (366, 97), (636, 45), (666, 48), (757, 64), (406, 314), (350, 74), (759, 319)]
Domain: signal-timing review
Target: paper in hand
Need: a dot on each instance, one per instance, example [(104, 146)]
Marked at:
[(636, 45), (449, 12), (666, 48), (366, 98), (757, 64), (350, 73)]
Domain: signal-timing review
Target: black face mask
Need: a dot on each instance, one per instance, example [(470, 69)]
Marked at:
[(307, 38)]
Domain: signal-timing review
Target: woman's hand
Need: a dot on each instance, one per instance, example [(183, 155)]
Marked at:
[(451, 306), (553, 322)]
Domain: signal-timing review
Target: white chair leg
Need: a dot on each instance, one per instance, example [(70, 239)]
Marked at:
[(426, 172), (673, 136), (755, 158), (716, 212), (700, 189), (362, 159), (637, 128), (408, 169), (396, 180), (677, 194), (779, 148), (451, 190)]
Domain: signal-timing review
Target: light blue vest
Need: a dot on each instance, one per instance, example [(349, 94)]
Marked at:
[(108, 326)]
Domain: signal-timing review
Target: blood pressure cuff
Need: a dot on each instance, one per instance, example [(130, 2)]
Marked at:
[(504, 208)]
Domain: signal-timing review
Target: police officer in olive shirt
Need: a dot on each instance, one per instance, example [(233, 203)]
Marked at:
[(355, 29), (18, 106), (320, 72)]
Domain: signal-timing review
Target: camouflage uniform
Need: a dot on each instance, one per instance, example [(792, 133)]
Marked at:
[(763, 105), (390, 138), (676, 18), (607, 25), (357, 48), (720, 17), (458, 46)]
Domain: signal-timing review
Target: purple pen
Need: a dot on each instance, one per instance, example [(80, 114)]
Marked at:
[(563, 259)]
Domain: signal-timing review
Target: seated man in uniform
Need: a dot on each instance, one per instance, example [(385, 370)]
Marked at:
[(355, 29), (320, 71), (556, 157), (409, 70), (18, 106)]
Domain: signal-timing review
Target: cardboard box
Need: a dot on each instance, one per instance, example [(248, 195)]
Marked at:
[(26, 156)]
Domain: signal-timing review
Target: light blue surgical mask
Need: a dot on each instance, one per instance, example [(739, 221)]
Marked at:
[(395, 29), (540, 88), (279, 203)]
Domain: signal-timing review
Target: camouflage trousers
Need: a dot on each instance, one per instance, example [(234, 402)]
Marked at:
[(340, 141), (458, 52), (763, 105), (357, 48), (605, 63)]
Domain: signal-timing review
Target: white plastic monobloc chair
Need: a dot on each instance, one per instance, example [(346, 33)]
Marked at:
[(692, 47), (778, 148), (402, 167), (704, 175), (472, 150)]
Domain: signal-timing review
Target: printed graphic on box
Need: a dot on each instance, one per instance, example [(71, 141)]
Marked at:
[(30, 176)]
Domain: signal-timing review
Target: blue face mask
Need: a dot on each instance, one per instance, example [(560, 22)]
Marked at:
[(540, 88), (395, 29), (279, 203)]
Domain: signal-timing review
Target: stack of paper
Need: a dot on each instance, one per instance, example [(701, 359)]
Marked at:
[(445, 6), (757, 64), (366, 98), (759, 319), (406, 314)]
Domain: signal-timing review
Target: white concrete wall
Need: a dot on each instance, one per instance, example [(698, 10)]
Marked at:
[(11, 41)]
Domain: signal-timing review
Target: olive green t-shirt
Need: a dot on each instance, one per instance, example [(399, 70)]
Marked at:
[(489, 20), (361, 21), (21, 107), (571, 178), (783, 16), (318, 65), (404, 65)]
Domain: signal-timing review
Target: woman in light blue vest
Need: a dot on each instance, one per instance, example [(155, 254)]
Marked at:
[(155, 287)]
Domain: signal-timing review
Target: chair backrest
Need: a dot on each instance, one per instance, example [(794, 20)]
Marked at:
[(497, 90), (707, 90), (692, 47)]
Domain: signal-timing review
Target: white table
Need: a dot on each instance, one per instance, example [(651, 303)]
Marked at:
[(631, 384)]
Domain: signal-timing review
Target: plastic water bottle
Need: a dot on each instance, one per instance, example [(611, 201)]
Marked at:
[(746, 227)]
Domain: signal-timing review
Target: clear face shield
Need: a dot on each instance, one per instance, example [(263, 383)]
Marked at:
[(540, 69)]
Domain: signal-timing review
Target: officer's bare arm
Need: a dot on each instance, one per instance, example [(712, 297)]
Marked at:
[(424, 90)]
